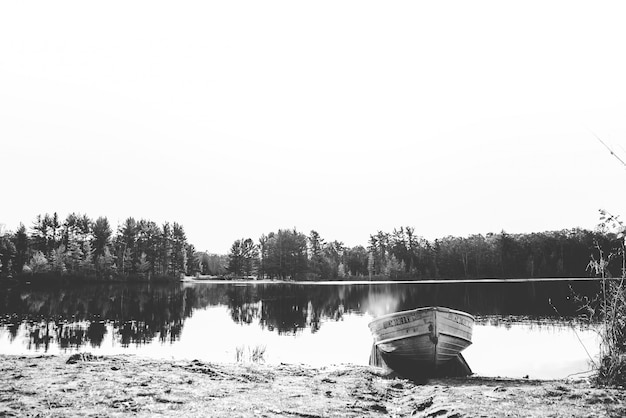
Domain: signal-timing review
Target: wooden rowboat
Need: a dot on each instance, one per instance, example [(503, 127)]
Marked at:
[(428, 337)]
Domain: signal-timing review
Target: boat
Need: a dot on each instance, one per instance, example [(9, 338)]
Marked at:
[(427, 338)]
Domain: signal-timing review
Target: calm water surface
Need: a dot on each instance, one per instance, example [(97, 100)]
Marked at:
[(518, 331)]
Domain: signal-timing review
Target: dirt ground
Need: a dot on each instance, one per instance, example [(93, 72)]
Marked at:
[(127, 385)]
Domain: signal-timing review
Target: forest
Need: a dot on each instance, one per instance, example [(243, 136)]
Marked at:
[(404, 255), (80, 247), (88, 249)]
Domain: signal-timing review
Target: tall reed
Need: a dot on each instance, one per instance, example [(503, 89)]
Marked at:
[(611, 307), (248, 354)]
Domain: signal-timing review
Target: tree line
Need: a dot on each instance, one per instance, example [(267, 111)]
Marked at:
[(142, 249), (80, 246), (404, 255)]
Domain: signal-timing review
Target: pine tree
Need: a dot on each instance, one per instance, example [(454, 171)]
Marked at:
[(57, 260), (7, 255), (144, 265), (87, 265), (21, 242), (74, 255), (101, 235), (235, 258), (179, 248), (105, 263)]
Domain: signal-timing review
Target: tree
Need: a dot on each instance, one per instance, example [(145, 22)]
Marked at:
[(284, 254), (105, 263), (57, 260), (74, 255), (371, 268), (316, 247), (80, 245), (55, 228), (179, 248), (144, 265), (84, 227), (41, 234), (21, 243), (193, 261), (148, 239), (235, 258), (393, 267), (214, 264), (165, 249), (86, 264), (379, 248), (341, 271), (38, 263), (243, 258), (250, 254), (332, 258), (125, 244), (127, 266), (101, 235), (7, 255), (356, 261)]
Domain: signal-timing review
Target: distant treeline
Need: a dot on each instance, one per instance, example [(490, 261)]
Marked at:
[(401, 254), (81, 247), (142, 250)]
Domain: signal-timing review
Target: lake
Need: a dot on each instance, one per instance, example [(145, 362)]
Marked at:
[(523, 328)]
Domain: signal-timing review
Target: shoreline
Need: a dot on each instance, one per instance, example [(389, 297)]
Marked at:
[(53, 279), (377, 282), (84, 384)]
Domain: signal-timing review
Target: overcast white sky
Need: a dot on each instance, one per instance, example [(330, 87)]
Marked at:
[(347, 117)]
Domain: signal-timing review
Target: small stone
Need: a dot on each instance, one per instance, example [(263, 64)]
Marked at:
[(378, 408), (438, 412), (427, 403)]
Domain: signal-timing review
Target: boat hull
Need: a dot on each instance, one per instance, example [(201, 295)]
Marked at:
[(428, 336)]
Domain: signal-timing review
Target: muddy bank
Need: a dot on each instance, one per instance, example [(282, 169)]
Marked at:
[(128, 385)]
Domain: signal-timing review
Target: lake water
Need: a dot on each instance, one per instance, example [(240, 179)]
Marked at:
[(523, 328)]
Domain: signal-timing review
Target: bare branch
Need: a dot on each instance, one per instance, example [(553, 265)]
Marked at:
[(609, 148)]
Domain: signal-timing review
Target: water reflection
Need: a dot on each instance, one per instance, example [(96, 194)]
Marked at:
[(136, 315), (78, 316)]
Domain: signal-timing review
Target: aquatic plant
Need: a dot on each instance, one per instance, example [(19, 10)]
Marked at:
[(248, 354)]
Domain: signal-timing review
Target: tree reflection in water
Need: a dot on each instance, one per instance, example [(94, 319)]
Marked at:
[(143, 313), (78, 316)]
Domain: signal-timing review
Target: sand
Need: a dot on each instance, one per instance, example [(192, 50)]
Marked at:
[(49, 386)]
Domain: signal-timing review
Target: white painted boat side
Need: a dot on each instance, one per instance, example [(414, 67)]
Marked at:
[(433, 334)]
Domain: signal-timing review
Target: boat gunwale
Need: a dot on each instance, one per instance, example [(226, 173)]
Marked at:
[(401, 337), (406, 336), (427, 308)]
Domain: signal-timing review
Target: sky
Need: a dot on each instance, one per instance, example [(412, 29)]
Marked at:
[(236, 119)]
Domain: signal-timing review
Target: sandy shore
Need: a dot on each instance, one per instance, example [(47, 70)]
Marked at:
[(128, 385)]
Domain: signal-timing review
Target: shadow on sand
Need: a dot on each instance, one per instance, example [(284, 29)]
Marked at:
[(415, 371)]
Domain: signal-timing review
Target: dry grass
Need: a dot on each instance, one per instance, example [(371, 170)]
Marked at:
[(248, 354)]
